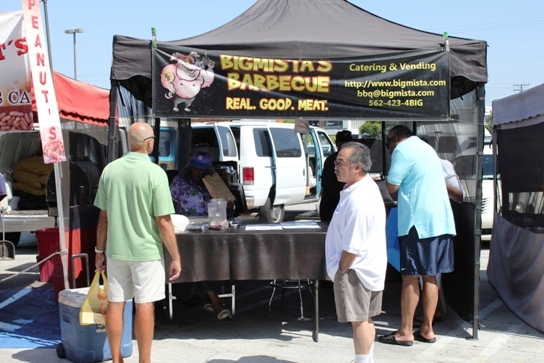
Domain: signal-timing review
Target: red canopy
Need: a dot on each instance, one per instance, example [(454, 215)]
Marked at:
[(79, 101)]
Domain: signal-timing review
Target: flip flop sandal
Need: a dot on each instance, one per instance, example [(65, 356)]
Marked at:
[(421, 338), (390, 339)]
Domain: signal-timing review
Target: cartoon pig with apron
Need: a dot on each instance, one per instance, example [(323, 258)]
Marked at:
[(186, 78)]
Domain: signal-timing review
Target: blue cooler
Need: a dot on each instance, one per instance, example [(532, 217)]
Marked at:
[(87, 344)]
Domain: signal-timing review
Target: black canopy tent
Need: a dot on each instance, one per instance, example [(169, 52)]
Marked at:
[(516, 252), (304, 29), (338, 32)]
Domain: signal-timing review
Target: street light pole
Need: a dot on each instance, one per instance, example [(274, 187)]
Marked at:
[(47, 35), (74, 32)]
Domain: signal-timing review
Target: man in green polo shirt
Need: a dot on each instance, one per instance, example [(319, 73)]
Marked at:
[(135, 206)]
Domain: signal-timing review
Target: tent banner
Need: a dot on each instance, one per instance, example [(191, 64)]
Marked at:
[(194, 83), (15, 96), (42, 80)]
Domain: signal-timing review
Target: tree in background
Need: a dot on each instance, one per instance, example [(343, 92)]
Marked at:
[(488, 123), (371, 129)]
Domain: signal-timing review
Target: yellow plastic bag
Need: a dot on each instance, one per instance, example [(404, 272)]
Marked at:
[(93, 310)]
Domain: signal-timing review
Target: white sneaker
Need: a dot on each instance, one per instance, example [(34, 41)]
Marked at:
[(224, 314), (209, 308)]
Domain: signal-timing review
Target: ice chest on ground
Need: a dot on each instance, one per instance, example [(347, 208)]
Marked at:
[(87, 344)]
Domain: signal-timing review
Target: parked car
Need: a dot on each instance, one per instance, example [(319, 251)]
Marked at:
[(464, 165)]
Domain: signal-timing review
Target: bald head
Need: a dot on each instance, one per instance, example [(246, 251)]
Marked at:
[(139, 136)]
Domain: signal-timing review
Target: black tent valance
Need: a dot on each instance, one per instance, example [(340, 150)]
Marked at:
[(305, 29)]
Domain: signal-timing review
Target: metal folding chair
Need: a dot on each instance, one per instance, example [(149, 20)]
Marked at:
[(7, 248), (290, 285)]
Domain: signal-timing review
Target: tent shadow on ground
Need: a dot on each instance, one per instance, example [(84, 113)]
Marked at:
[(17, 268), (252, 321), (251, 318), (37, 355), (29, 318), (21, 279)]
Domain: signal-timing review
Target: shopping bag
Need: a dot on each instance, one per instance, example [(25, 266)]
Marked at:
[(217, 187), (392, 237), (93, 310)]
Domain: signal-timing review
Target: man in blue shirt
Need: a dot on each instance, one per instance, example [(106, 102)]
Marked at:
[(425, 227)]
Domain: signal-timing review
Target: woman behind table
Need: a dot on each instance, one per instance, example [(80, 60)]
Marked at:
[(188, 191), (191, 199)]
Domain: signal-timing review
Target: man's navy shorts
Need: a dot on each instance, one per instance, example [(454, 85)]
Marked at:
[(427, 256)]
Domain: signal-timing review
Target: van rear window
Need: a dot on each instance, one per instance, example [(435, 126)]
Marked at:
[(203, 137), (262, 142), (286, 142)]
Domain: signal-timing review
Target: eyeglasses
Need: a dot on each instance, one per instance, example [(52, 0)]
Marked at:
[(340, 164), (150, 137)]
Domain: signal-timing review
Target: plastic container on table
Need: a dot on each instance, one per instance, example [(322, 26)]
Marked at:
[(217, 214), (87, 344)]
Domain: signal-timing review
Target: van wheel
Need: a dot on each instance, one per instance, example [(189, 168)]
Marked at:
[(61, 352), (269, 213), (13, 237)]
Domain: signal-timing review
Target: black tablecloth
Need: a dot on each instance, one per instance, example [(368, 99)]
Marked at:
[(252, 255)]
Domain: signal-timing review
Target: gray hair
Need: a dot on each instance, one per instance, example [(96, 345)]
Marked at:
[(360, 153)]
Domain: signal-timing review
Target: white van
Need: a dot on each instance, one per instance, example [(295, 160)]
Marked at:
[(275, 165)]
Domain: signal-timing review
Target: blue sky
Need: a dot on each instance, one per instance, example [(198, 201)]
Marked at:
[(512, 29)]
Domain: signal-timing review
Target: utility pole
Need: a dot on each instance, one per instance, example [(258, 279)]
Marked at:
[(520, 85)]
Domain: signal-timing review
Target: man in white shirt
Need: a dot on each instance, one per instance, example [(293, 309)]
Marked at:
[(355, 248)]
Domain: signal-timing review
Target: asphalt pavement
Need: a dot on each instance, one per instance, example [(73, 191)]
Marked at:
[(254, 336)]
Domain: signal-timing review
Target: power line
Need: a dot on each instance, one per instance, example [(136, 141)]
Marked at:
[(520, 85), (495, 26)]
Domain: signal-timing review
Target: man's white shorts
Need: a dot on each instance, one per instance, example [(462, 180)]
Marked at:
[(142, 280)]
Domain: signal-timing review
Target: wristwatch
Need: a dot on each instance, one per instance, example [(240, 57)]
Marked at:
[(97, 250)]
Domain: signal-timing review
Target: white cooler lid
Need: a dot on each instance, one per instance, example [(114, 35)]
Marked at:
[(73, 297)]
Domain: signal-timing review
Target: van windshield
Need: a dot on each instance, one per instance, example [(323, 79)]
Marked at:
[(465, 167), (487, 160)]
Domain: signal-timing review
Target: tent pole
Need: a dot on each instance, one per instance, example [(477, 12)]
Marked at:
[(384, 150), (45, 13), (478, 236), (58, 172), (60, 219), (157, 132), (113, 140)]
